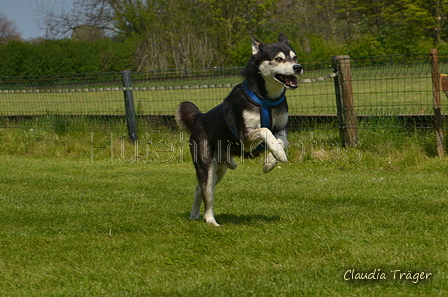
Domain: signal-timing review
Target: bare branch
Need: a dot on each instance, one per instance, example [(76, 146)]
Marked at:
[(58, 21)]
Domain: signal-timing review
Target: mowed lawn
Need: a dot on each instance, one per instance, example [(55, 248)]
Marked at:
[(69, 227)]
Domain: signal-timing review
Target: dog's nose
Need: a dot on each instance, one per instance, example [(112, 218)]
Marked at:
[(297, 68)]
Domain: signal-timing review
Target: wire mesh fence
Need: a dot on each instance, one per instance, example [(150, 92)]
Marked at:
[(388, 92), (395, 85)]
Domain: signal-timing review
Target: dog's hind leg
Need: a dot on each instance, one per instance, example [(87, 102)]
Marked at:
[(215, 174), (209, 172), (195, 211), (208, 193)]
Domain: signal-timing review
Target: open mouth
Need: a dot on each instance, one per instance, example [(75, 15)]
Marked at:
[(290, 81)]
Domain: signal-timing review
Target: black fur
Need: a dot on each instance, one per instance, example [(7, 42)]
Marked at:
[(187, 115)]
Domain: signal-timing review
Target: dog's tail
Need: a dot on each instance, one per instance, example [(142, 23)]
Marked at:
[(186, 116)]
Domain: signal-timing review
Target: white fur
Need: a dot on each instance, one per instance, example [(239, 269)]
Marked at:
[(251, 119), (279, 118), (209, 195), (255, 46), (270, 68), (270, 162), (293, 55), (281, 56), (273, 86), (275, 145)]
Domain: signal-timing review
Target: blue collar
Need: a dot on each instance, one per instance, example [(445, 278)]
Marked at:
[(265, 105)]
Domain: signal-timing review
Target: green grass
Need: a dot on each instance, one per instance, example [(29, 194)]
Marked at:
[(107, 102), (73, 227)]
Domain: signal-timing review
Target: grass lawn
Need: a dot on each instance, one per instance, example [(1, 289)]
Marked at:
[(69, 227)]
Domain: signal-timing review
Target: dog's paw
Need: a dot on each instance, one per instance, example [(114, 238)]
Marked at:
[(269, 163), (231, 164), (195, 217), (280, 154), (276, 147), (210, 218), (212, 221)]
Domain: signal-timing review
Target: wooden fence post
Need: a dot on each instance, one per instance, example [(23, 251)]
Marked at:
[(344, 101), (437, 104), (129, 105)]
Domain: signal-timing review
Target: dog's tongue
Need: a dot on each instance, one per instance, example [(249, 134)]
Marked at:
[(291, 81)]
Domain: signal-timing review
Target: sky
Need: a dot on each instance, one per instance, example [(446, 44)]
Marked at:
[(23, 14)]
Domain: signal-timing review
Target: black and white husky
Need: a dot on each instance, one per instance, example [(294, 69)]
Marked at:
[(252, 119)]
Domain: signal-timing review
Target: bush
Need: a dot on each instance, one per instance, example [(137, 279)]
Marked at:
[(63, 56)]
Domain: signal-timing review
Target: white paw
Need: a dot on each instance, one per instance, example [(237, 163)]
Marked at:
[(269, 163), (212, 222), (280, 154), (276, 146), (210, 219)]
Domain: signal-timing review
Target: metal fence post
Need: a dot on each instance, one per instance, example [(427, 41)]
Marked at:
[(437, 104), (129, 105), (338, 101), (348, 126)]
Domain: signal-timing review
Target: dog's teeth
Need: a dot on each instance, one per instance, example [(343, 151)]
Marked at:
[(291, 80)]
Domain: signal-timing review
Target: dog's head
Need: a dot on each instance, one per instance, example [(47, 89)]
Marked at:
[(278, 62)]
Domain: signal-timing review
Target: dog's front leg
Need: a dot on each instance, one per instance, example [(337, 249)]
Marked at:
[(275, 146), (270, 162)]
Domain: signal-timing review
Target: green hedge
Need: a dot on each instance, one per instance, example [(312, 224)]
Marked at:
[(63, 56)]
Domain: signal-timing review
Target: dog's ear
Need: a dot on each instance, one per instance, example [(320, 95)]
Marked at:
[(282, 38), (256, 45)]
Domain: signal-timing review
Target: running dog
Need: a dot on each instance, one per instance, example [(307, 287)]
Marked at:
[(252, 119)]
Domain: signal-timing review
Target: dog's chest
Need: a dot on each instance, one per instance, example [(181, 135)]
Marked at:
[(252, 118)]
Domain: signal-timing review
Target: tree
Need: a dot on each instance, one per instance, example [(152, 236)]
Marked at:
[(206, 33), (232, 20), (8, 30), (87, 19), (170, 33)]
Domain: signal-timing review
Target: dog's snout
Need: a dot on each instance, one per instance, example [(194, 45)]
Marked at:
[(297, 68)]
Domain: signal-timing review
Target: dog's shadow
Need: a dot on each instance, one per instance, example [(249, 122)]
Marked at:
[(233, 219)]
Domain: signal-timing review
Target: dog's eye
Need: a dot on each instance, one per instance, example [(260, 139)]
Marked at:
[(294, 58), (279, 59)]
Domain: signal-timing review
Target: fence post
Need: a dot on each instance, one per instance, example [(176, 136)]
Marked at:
[(437, 105), (129, 105), (338, 102), (348, 126)]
